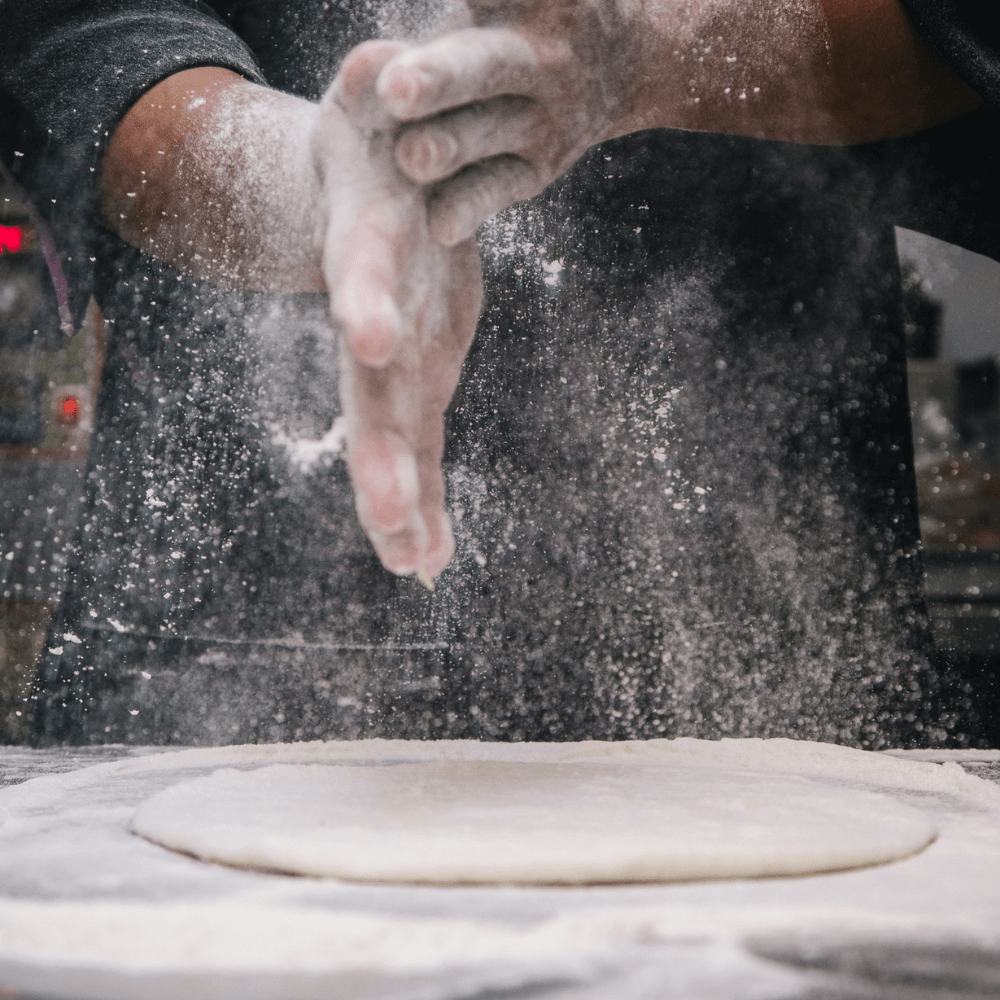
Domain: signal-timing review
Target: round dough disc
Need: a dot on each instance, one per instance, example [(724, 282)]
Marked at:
[(512, 822)]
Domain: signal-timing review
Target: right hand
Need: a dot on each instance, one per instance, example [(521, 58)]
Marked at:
[(492, 115)]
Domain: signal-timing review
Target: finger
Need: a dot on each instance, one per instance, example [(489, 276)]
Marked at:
[(354, 88), (440, 539), (440, 542), (412, 401), (465, 300), (408, 538), (403, 552), (363, 285), (402, 547), (400, 555), (399, 499), (384, 473), (460, 205), (430, 450), (431, 151), (463, 67), (440, 373), (380, 406)]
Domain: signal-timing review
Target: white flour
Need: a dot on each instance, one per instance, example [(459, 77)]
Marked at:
[(77, 890)]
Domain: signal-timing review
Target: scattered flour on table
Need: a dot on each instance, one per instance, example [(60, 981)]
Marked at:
[(857, 768), (236, 931), (226, 936)]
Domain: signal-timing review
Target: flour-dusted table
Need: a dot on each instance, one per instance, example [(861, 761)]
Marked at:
[(72, 876)]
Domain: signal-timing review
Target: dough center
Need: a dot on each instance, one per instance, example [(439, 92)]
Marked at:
[(530, 823)]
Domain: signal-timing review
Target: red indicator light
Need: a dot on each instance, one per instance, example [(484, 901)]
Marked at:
[(69, 410), (10, 238)]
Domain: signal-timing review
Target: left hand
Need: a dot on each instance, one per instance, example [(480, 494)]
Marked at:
[(407, 307)]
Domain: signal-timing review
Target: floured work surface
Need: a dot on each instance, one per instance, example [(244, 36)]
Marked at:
[(90, 910), (613, 819)]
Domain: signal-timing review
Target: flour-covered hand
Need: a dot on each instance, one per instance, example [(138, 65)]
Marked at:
[(493, 114), (407, 308)]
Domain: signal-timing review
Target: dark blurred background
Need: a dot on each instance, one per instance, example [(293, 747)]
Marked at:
[(953, 339), (47, 387)]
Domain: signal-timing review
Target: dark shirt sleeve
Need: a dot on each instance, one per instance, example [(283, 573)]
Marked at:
[(69, 70), (966, 36)]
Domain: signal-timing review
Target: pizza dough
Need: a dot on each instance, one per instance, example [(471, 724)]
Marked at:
[(587, 817)]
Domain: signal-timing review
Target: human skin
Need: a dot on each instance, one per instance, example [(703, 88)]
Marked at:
[(375, 194), (249, 188), (498, 112)]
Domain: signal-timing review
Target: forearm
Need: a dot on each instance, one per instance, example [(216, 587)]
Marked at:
[(213, 175), (822, 71)]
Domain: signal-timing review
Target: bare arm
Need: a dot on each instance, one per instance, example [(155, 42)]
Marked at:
[(884, 81), (829, 72), (212, 174)]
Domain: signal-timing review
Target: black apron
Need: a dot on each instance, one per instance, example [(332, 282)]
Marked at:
[(679, 462)]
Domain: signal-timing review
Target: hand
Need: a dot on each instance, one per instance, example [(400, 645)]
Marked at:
[(407, 307), (500, 112), (494, 113)]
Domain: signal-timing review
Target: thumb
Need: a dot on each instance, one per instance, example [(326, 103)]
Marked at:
[(354, 88)]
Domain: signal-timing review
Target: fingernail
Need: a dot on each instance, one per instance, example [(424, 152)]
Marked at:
[(425, 578), (423, 157), (403, 86)]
